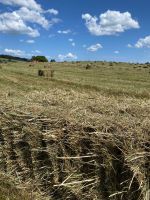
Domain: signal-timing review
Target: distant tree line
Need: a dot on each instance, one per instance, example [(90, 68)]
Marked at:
[(34, 58), (8, 57)]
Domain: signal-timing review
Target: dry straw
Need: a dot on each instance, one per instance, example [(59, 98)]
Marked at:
[(49, 155)]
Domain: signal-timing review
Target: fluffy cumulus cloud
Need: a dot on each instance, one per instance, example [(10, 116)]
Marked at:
[(68, 56), (32, 16), (95, 47), (116, 52), (20, 21), (13, 23), (143, 42), (109, 23), (23, 3)]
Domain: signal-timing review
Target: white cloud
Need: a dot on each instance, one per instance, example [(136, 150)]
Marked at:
[(109, 23), (16, 22), (64, 31), (13, 23), (95, 47), (129, 46), (20, 21), (14, 52), (116, 52), (52, 11), (30, 41), (69, 56), (54, 21), (143, 42), (31, 4), (32, 16)]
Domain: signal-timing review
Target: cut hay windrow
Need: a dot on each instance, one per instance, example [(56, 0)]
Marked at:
[(66, 160)]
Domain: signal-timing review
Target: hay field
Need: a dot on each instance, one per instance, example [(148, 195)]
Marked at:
[(82, 135)]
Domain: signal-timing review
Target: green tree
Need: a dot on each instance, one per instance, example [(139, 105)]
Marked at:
[(53, 60), (39, 58)]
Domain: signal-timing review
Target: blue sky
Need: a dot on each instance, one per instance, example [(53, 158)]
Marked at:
[(76, 29)]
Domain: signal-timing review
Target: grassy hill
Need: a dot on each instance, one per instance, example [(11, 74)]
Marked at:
[(11, 58), (83, 134)]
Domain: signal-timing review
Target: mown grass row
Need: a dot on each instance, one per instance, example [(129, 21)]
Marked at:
[(117, 80)]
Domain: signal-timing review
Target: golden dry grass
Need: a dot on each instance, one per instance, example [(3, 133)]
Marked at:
[(72, 142)]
